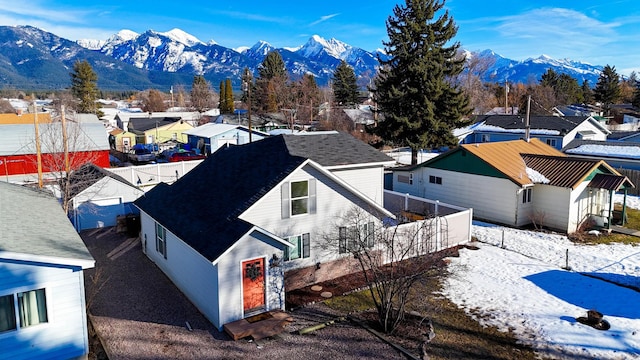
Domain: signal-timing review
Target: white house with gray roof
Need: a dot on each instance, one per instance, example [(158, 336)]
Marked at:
[(42, 296)]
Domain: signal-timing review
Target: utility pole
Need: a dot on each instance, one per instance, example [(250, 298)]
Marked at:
[(247, 82), (65, 140), (38, 151), (528, 124), (506, 96)]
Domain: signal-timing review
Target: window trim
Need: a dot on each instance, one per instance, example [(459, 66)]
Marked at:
[(347, 241), (435, 180), (16, 300), (303, 247), (304, 198), (161, 240), (527, 194), (552, 142), (287, 199)]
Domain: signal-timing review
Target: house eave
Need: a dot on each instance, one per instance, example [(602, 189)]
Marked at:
[(83, 263)]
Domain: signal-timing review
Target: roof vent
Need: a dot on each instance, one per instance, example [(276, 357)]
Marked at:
[(477, 145)]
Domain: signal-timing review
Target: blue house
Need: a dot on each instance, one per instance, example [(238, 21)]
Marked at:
[(42, 259), (211, 136), (555, 131)]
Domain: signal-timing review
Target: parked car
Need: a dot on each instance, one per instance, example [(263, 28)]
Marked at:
[(141, 155), (185, 155)]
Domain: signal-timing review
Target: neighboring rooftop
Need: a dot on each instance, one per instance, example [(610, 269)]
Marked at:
[(33, 224), (550, 125)]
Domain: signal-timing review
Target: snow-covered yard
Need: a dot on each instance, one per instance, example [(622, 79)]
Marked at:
[(520, 284)]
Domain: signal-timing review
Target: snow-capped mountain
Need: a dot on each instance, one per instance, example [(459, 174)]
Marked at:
[(128, 60), (526, 71)]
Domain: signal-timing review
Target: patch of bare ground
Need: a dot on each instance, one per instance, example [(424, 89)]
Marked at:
[(457, 335)]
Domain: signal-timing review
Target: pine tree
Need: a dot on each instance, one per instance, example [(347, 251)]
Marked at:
[(636, 96), (345, 89), (228, 96), (271, 83), (607, 89), (84, 87), (587, 93), (549, 78), (420, 104)]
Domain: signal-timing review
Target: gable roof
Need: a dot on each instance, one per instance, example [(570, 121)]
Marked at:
[(29, 118), (34, 227), (224, 186), (334, 149), (565, 171), (142, 124), (549, 125), (604, 149), (88, 174), (212, 129), (506, 156)]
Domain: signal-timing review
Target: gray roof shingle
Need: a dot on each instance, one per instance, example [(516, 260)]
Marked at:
[(32, 222)]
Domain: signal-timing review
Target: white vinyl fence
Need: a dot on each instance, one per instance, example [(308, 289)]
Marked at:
[(152, 174), (443, 225)]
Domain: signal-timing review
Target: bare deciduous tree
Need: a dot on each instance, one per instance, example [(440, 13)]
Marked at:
[(391, 259)]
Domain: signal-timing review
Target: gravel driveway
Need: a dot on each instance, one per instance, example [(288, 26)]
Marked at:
[(139, 314)]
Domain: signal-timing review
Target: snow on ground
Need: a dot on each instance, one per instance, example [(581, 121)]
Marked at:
[(520, 285)]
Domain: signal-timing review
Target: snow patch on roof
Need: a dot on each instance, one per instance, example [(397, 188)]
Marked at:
[(536, 177), (632, 152), (493, 128)]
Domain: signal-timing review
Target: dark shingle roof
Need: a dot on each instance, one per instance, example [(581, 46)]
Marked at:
[(142, 124), (222, 187), (217, 191), (334, 149), (561, 124)]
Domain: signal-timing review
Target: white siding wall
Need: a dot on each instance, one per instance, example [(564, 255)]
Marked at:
[(194, 275), (580, 207), (332, 202), (584, 126), (492, 199), (552, 204), (230, 276), (65, 334), (369, 181), (108, 188), (416, 188)]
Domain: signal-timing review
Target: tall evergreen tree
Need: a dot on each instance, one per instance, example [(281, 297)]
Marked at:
[(345, 88), (549, 78), (587, 93), (607, 89), (271, 84), (84, 87), (223, 99), (414, 90), (228, 96), (636, 96)]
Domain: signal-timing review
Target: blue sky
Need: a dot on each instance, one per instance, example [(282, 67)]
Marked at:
[(588, 30)]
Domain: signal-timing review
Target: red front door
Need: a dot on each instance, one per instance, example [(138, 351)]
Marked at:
[(253, 284)]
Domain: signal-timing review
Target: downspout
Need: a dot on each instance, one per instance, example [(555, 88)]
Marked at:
[(624, 207), (610, 208)]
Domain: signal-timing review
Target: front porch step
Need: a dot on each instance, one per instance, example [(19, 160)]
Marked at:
[(269, 326)]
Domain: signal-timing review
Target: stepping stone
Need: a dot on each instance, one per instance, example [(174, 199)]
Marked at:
[(326, 294), (316, 288)]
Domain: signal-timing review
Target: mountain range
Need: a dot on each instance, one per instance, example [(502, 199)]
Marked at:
[(31, 58)]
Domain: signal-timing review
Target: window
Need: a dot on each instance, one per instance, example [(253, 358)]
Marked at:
[(485, 138), (32, 310), (350, 239), (7, 313), (301, 249), (435, 180), (298, 198), (32, 307), (551, 142), (161, 240), (526, 195)]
